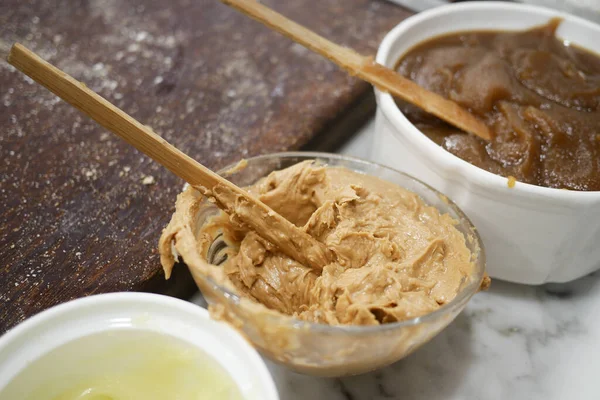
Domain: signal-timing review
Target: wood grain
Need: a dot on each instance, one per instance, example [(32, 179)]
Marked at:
[(76, 217)]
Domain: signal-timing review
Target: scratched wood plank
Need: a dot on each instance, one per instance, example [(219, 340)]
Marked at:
[(81, 212)]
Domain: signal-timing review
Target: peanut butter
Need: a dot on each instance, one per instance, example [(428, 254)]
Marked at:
[(395, 257)]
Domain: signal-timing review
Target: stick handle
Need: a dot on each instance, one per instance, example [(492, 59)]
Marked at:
[(340, 55), (363, 67), (290, 239)]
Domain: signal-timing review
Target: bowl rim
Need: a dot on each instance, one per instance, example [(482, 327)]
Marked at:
[(461, 298), (445, 159)]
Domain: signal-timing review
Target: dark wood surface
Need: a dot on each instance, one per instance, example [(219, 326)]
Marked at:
[(81, 212)]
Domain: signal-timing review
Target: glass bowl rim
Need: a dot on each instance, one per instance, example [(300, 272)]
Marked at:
[(464, 295)]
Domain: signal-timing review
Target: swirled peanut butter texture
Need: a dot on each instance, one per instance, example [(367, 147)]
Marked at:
[(395, 257)]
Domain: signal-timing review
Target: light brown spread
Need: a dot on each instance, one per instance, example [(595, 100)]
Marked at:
[(395, 257)]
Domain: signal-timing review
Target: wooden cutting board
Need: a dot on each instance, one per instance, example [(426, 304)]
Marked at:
[(81, 211)]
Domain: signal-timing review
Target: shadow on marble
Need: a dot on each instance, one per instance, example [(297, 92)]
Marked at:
[(577, 289)]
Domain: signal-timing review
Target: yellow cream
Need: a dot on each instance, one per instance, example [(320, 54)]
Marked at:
[(124, 365)]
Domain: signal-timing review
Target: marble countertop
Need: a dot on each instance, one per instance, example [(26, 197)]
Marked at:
[(511, 342)]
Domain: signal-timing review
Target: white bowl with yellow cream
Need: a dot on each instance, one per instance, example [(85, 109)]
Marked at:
[(129, 346)]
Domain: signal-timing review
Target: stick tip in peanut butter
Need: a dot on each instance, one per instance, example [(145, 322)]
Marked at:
[(396, 257)]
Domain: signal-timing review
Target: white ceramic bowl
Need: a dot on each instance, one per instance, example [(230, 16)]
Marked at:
[(532, 234), (140, 311)]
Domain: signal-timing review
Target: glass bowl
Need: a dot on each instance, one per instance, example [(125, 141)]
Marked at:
[(310, 348)]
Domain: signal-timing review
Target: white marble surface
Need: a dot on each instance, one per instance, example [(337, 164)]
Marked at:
[(512, 342)]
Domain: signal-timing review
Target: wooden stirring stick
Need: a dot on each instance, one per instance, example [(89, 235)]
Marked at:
[(292, 241), (365, 68)]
